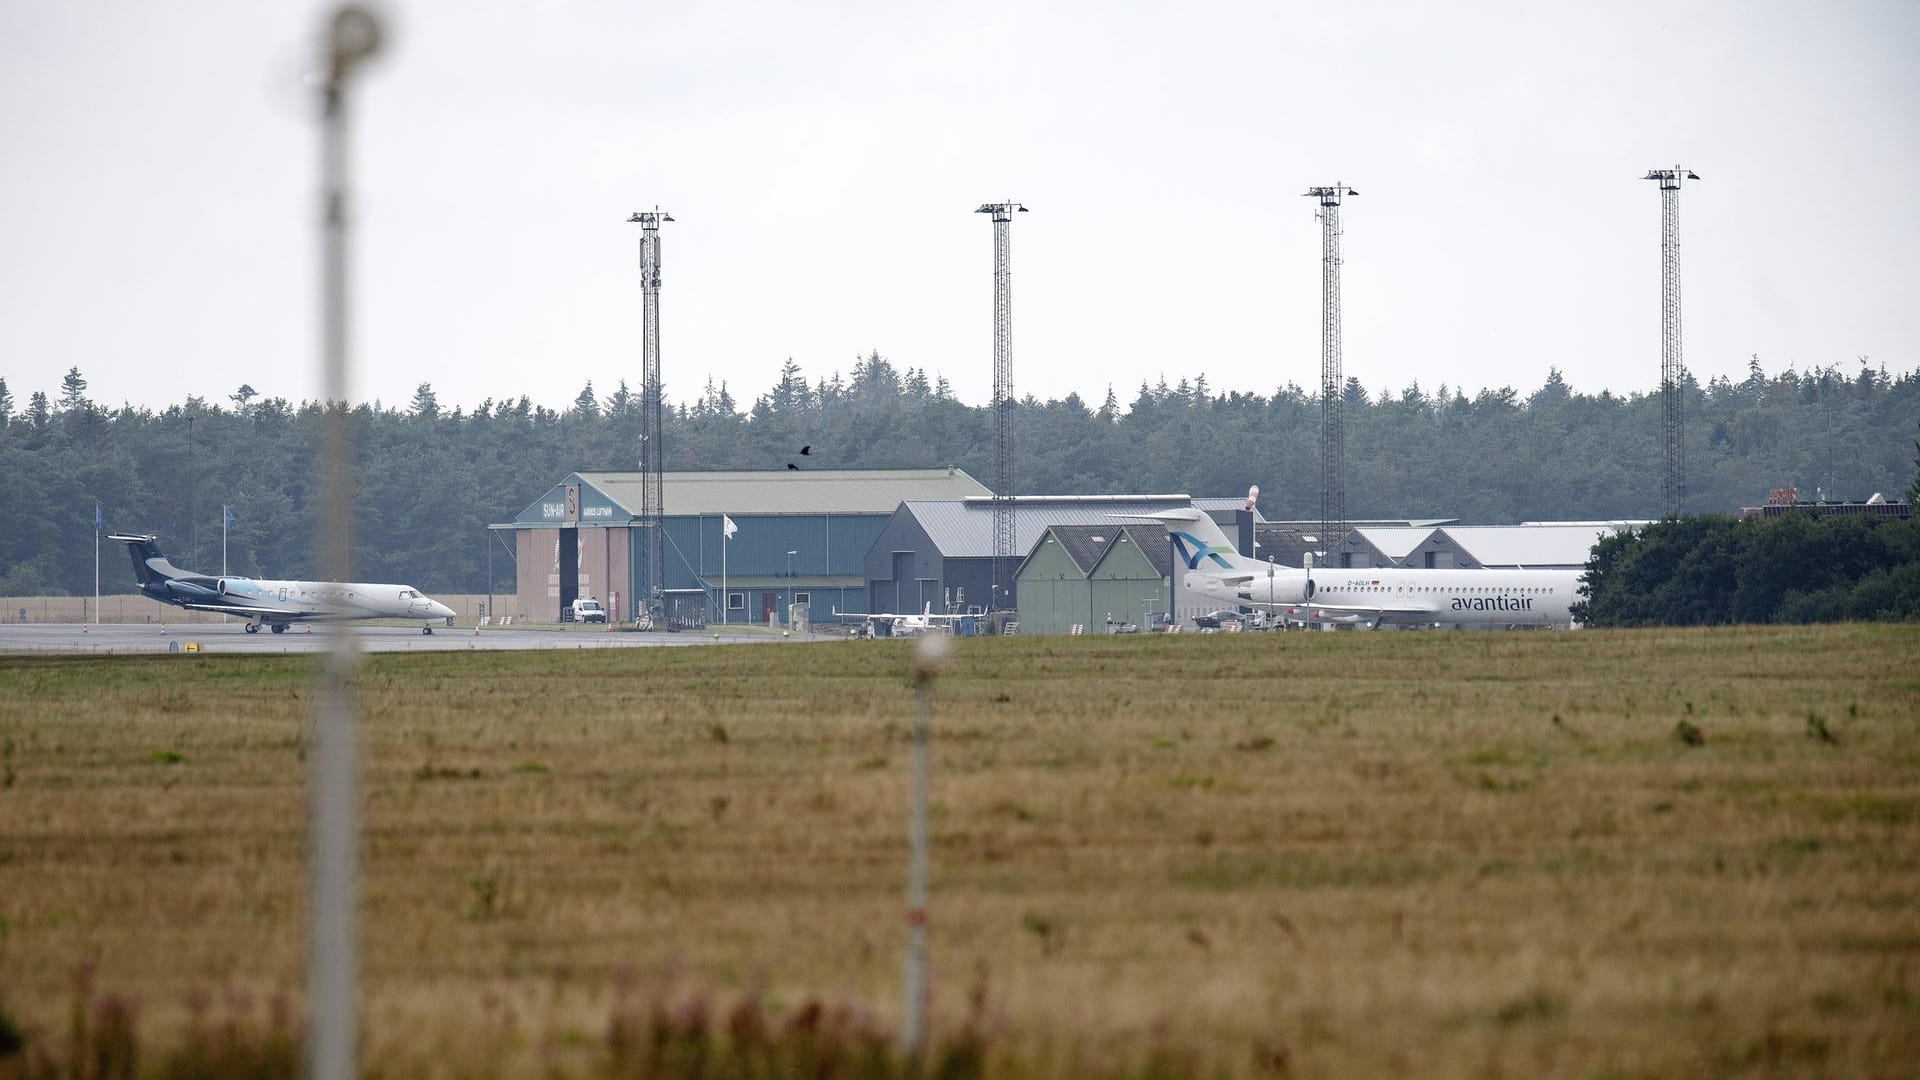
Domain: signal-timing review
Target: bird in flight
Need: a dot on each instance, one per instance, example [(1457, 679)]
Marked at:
[(807, 449)]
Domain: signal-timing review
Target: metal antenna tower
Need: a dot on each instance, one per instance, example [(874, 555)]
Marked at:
[(652, 444), (1333, 383), (1002, 394), (1673, 483)]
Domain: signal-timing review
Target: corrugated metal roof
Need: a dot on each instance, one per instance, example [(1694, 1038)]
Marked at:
[(1394, 543), (965, 530), (1288, 544), (1371, 523), (1222, 510), (803, 491), (1528, 545)]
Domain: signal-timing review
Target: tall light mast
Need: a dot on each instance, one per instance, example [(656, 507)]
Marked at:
[(1333, 482), (1002, 395), (1673, 482), (652, 444)]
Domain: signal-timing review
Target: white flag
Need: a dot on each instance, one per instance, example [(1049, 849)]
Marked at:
[(727, 527)]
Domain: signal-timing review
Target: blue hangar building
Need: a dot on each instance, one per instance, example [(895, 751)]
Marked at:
[(799, 537)]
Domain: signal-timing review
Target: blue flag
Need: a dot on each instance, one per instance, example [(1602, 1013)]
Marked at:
[(226, 513), (99, 519)]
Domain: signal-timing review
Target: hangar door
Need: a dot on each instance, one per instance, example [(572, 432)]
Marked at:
[(568, 556)]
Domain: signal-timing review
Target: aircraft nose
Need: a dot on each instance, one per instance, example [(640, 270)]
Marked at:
[(441, 611)]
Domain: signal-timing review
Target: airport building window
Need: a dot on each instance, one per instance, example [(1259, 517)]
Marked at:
[(802, 598), (736, 601)]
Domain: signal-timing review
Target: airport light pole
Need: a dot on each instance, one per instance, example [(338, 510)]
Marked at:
[(1673, 431), (790, 554)]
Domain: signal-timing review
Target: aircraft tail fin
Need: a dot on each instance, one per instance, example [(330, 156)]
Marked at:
[(1198, 540), (150, 565)]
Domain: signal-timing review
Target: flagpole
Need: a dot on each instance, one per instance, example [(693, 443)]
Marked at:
[(226, 516), (96, 564), (724, 538)]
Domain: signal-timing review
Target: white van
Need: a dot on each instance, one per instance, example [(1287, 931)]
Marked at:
[(587, 609)]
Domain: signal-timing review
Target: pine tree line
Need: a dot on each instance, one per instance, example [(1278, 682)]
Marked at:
[(432, 478)]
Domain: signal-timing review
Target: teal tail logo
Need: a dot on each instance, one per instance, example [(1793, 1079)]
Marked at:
[(1191, 550)]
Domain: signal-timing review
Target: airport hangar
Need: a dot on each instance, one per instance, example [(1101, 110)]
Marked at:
[(863, 540), (800, 536), (1543, 545), (941, 553)]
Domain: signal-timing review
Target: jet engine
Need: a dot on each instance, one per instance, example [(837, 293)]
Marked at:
[(194, 588), (1285, 586)]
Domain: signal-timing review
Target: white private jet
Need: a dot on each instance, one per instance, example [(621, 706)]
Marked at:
[(1367, 596), (275, 604), (900, 625)]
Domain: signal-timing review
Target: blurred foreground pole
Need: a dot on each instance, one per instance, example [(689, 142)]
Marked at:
[(928, 653), (353, 35)]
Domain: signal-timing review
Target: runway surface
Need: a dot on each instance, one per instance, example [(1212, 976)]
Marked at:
[(133, 639)]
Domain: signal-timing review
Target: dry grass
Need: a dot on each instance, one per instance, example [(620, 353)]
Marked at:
[(1352, 854)]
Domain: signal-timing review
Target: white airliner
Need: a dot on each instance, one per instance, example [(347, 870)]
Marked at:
[(905, 625), (1371, 595), (276, 603)]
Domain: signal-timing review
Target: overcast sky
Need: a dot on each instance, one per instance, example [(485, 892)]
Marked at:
[(158, 179)]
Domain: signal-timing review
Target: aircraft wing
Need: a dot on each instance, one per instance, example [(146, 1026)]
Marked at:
[(1360, 609)]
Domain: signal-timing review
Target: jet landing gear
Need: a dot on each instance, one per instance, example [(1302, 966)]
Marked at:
[(426, 629), (278, 628), (253, 628)]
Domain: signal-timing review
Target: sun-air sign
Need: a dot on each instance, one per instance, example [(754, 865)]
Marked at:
[(568, 509)]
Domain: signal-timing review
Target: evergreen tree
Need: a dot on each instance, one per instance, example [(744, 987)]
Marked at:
[(243, 397), (623, 401), (73, 392), (6, 404), (1913, 489), (38, 411), (425, 405), (585, 405)]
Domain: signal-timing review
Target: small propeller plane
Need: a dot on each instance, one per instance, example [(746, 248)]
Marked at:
[(900, 625)]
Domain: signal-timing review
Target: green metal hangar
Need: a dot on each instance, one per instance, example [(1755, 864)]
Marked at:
[(799, 536), (940, 553), (1096, 577)]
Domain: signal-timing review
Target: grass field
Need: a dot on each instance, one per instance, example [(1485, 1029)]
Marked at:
[(1549, 854)]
